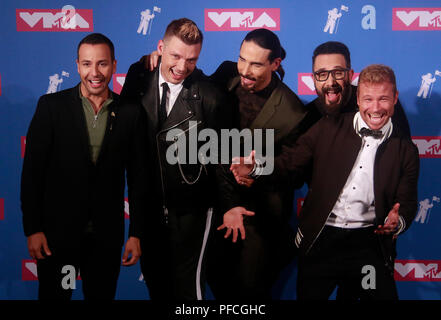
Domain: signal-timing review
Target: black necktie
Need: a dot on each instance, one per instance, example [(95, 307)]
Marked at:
[(162, 112), (377, 134)]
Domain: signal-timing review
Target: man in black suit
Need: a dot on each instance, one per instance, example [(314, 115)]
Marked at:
[(79, 146), (177, 96), (362, 194), (336, 94)]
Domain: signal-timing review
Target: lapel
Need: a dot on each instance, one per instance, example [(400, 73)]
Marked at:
[(185, 105), (268, 110), (79, 121), (111, 117), (262, 120), (340, 155), (150, 97)]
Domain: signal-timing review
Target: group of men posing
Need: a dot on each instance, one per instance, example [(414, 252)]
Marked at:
[(351, 146)]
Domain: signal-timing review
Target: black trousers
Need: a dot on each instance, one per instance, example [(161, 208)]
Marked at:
[(247, 270), (350, 259), (173, 257), (97, 266)]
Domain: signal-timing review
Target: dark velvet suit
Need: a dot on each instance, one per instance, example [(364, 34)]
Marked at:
[(177, 225), (331, 147), (62, 189), (248, 269)]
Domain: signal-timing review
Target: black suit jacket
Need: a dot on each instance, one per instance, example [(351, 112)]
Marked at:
[(331, 147), (199, 104), (61, 188)]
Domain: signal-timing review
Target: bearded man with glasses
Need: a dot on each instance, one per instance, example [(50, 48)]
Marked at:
[(331, 65)]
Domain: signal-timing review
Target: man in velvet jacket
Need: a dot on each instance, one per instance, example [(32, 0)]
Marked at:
[(79, 146), (362, 194)]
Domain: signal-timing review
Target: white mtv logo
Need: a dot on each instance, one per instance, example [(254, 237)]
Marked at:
[(245, 19), (425, 18), (66, 19), (431, 146), (121, 80), (32, 267), (421, 270)]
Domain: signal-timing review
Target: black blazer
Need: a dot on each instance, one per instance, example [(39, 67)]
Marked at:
[(199, 102), (331, 147), (61, 188)]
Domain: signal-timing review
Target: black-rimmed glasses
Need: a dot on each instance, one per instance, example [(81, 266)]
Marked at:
[(337, 74)]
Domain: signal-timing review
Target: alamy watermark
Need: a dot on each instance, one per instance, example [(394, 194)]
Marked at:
[(207, 146)]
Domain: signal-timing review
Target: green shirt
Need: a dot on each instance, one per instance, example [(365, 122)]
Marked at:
[(96, 124)]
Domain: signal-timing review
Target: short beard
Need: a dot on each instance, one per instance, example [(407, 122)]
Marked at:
[(345, 95)]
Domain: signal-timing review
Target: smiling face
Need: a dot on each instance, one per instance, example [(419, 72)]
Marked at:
[(376, 103), (95, 67), (178, 58), (254, 67), (332, 93)]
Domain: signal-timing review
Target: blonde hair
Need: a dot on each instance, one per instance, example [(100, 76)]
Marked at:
[(186, 30), (378, 73)]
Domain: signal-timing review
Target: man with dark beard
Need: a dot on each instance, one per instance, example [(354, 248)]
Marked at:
[(331, 65)]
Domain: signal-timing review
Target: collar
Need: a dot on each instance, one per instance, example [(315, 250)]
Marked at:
[(105, 104), (359, 123)]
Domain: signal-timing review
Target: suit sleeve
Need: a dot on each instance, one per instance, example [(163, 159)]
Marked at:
[(407, 191), (130, 89), (38, 148), (399, 119), (294, 163), (137, 175)]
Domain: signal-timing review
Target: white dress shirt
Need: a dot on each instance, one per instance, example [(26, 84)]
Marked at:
[(355, 205), (173, 93)]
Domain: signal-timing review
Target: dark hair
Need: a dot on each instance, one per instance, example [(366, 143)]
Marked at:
[(97, 38), (267, 39), (333, 47), (186, 30)]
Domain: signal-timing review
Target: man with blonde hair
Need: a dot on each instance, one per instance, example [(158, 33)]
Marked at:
[(176, 95), (362, 194)]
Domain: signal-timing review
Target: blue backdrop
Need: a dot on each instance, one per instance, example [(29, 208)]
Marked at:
[(38, 51)]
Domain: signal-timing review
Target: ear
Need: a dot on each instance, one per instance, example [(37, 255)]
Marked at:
[(351, 75), (114, 66), (160, 47), (276, 63), (78, 65), (396, 97)]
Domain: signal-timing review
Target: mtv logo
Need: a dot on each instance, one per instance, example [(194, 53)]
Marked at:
[(2, 209), (416, 19), (418, 270), (23, 146), (428, 147), (299, 205), (29, 270), (118, 80), (242, 19), (305, 83), (66, 19), (126, 208)]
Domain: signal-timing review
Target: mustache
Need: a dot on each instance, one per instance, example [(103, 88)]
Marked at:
[(336, 88), (247, 77)]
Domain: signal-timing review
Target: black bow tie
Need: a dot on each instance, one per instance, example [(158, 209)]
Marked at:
[(377, 134)]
